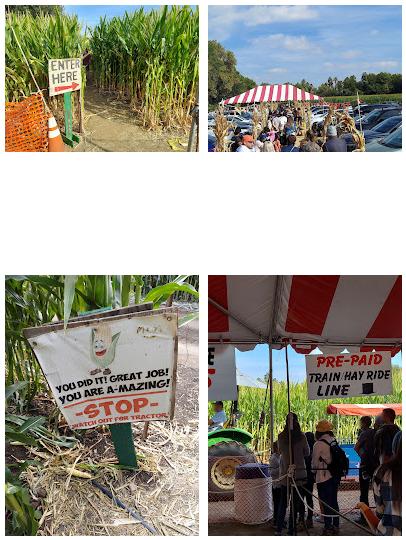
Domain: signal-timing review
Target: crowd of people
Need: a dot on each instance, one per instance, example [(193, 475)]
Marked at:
[(281, 133), (318, 459)]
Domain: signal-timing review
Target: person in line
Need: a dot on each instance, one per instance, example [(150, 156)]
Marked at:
[(310, 481), (277, 143), (327, 485), (219, 417), (387, 489), (290, 127), (291, 145), (334, 143), (248, 144), (300, 450), (385, 434), (274, 464), (237, 142), (309, 144), (365, 449)]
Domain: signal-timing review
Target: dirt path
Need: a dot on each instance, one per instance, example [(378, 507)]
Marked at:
[(110, 126)]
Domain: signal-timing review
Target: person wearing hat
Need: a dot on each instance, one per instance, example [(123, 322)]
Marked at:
[(247, 144), (327, 485), (333, 143)]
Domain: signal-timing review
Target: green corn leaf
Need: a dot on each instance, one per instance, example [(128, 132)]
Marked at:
[(13, 388), (68, 296)]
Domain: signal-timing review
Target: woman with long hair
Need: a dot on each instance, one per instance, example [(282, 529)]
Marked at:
[(387, 489), (293, 446)]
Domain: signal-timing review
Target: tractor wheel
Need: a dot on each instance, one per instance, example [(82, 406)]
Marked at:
[(224, 457)]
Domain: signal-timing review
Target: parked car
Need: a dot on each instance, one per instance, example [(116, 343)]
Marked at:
[(376, 116), (362, 110), (390, 143), (380, 130)]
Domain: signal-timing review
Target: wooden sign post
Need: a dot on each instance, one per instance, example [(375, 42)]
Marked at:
[(111, 368)]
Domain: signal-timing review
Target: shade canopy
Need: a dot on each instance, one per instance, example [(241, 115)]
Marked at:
[(272, 92), (363, 409), (330, 312), (246, 380)]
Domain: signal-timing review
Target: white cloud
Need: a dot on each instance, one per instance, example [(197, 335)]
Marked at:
[(277, 70), (374, 32), (351, 54), (382, 64), (223, 19), (256, 15), (284, 41)]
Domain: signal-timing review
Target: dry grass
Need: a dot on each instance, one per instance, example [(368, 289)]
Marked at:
[(221, 128), (164, 490)]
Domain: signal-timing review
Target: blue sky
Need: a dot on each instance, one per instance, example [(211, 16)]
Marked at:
[(276, 44), (90, 15), (255, 363)]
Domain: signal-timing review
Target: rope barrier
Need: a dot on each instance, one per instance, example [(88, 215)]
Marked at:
[(339, 513)]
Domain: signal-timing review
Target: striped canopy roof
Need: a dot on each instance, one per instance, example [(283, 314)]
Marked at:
[(272, 92), (329, 312)]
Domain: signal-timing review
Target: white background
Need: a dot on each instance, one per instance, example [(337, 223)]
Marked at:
[(277, 214)]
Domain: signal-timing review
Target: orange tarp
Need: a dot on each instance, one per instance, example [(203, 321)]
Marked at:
[(363, 409)]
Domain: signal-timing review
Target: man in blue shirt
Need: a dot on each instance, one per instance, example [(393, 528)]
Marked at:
[(219, 418), (333, 143)]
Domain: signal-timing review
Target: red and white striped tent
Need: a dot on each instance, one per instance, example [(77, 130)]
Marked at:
[(272, 92), (330, 312)]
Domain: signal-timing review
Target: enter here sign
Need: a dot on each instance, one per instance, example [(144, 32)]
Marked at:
[(64, 75), (348, 375)]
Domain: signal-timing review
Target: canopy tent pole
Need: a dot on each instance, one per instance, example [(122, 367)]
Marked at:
[(290, 493), (271, 411)]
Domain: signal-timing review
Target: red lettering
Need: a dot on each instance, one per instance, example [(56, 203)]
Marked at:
[(330, 361), (354, 359), (377, 359), (125, 403), (339, 360), (320, 360), (106, 407), (139, 403), (91, 410)]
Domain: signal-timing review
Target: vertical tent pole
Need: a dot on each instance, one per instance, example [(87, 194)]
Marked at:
[(271, 411), (290, 493)]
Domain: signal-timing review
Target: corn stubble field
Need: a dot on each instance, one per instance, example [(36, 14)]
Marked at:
[(150, 58), (251, 400)]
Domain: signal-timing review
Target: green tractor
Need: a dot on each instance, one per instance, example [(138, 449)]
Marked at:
[(228, 448)]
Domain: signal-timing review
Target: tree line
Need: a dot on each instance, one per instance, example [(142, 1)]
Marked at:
[(225, 80)]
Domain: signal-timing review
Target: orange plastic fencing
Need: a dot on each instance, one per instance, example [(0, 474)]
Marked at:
[(27, 125)]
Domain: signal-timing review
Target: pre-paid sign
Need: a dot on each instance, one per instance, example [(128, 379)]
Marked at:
[(64, 75), (111, 371), (348, 375)]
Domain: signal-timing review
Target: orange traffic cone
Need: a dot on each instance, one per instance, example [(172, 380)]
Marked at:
[(55, 142)]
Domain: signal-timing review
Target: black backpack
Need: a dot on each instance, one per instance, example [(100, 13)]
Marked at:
[(339, 462)]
